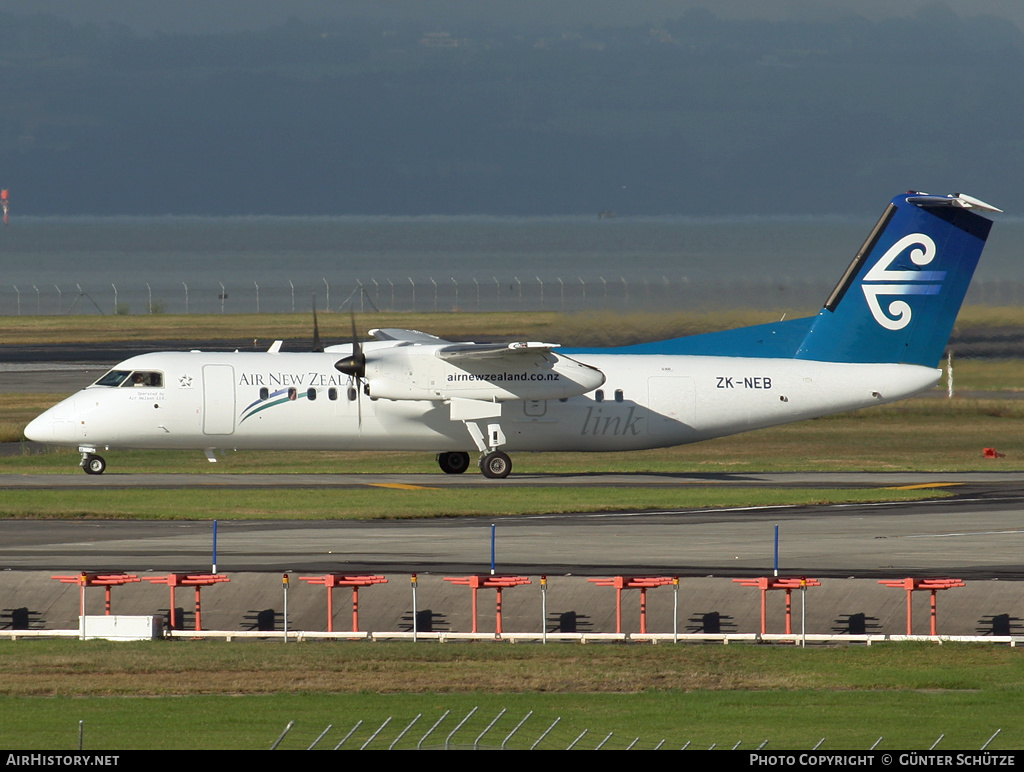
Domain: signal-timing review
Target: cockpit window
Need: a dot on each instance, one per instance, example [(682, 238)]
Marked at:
[(113, 378), (128, 379), (144, 378)]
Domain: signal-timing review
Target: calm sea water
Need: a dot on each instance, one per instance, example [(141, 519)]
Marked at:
[(234, 265)]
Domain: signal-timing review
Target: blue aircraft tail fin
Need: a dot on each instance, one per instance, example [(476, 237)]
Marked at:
[(898, 300)]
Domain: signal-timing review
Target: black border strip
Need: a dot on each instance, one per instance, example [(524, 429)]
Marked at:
[(859, 258)]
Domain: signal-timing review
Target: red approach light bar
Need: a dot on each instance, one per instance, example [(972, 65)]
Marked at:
[(912, 584), (476, 581), (330, 581), (621, 583), (787, 583), (187, 580), (94, 579)]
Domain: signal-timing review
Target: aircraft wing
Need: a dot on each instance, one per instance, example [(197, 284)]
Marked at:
[(461, 352), (455, 352)]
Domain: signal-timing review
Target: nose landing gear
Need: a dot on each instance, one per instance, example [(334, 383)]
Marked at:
[(93, 464)]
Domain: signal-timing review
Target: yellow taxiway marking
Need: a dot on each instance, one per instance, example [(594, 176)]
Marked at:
[(922, 485), (403, 486)]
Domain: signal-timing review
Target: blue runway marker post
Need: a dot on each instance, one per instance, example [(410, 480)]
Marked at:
[(776, 550), (214, 547), (492, 549)]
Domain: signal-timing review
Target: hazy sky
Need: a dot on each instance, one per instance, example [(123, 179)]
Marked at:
[(589, 105), (219, 15)]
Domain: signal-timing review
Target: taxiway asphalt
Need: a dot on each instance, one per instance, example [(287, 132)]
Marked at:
[(978, 533)]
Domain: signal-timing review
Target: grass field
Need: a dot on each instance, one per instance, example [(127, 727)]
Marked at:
[(582, 329), (220, 695), (392, 504)]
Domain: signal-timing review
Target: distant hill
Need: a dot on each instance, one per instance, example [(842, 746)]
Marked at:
[(697, 115)]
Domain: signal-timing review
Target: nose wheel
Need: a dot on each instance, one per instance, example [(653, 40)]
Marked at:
[(93, 464), (496, 465)]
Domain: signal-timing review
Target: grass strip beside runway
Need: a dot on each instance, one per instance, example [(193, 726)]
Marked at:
[(374, 502), (241, 695), (589, 328)]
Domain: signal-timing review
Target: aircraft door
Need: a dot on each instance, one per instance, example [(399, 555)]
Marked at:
[(218, 399), (535, 408)]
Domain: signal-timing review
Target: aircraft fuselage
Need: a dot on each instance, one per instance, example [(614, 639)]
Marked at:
[(299, 401)]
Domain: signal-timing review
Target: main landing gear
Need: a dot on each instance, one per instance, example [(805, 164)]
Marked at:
[(453, 463), (494, 464), (93, 464)]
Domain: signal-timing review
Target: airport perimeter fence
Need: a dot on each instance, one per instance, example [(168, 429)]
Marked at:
[(440, 294), (477, 730), (503, 730)]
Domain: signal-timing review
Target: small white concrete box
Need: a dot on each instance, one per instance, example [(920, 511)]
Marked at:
[(120, 627)]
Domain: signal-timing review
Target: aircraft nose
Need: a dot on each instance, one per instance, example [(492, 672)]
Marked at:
[(36, 427), (56, 425)]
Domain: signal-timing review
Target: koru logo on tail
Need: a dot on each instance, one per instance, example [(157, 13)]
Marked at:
[(895, 282)]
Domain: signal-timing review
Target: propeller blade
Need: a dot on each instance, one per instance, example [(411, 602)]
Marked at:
[(359, 406), (354, 366), (317, 345), (357, 350)]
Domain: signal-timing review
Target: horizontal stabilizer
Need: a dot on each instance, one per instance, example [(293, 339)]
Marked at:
[(961, 200)]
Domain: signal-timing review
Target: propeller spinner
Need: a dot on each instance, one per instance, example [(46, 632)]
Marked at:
[(354, 364)]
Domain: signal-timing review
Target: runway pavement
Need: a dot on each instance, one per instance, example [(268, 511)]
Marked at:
[(961, 481), (979, 533)]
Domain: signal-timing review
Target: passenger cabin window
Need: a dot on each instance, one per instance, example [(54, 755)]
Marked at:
[(618, 395), (264, 393), (292, 394), (599, 395), (332, 393), (310, 394)]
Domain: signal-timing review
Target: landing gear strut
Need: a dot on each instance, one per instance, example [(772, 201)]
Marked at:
[(453, 463), (93, 464), (496, 465)]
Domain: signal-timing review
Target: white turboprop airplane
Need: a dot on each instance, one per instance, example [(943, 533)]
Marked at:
[(879, 338)]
